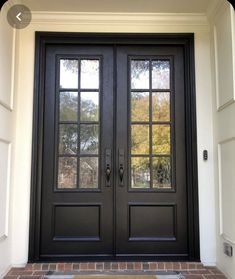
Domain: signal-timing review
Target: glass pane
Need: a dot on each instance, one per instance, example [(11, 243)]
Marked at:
[(89, 106), (67, 173), (140, 139), (161, 74), (139, 106), (139, 74), (68, 73), (89, 139), (68, 106), (161, 139), (140, 172), (90, 74), (68, 139), (161, 106), (88, 172), (162, 173)]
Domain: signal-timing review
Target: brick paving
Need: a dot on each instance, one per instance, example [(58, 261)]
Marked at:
[(188, 269)]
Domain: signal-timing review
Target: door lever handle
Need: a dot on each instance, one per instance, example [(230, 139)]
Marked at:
[(121, 173), (108, 173), (121, 161), (108, 167)]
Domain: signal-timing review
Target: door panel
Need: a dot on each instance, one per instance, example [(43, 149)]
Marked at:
[(151, 203), (77, 207)]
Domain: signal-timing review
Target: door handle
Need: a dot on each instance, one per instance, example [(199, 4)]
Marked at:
[(108, 167), (121, 170)]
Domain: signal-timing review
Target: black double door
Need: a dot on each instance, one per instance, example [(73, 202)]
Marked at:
[(114, 155)]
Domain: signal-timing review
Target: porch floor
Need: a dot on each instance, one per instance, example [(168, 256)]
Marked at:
[(190, 270)]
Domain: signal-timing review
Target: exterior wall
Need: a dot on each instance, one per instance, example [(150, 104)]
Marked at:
[(112, 23), (7, 35), (223, 53)]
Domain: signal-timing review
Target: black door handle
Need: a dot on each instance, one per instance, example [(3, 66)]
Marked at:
[(108, 173), (121, 158), (121, 174), (108, 167)]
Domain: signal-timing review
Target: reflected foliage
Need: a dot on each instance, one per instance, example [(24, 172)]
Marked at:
[(68, 139), (139, 103), (89, 139), (161, 74), (67, 173), (68, 106), (161, 172), (140, 172), (88, 172)]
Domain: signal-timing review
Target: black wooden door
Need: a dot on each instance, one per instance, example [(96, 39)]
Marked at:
[(151, 197), (114, 152), (77, 200)]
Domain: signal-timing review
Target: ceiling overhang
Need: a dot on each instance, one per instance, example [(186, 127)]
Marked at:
[(232, 2)]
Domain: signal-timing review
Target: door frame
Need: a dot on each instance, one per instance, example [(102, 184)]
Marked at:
[(186, 41)]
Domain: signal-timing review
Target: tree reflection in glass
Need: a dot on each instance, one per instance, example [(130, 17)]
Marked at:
[(89, 139), (89, 106), (161, 173), (68, 106), (67, 172), (140, 172), (88, 172)]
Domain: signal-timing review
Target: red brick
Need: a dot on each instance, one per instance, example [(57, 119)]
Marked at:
[(68, 266), (152, 265), (214, 270), (45, 266), (200, 271), (60, 266), (37, 266), (107, 265), (21, 272), (200, 266), (191, 276), (30, 277), (168, 266), (145, 266), (40, 273), (215, 276), (191, 266), (29, 266), (183, 266), (176, 266), (99, 266), (52, 266), (122, 265), (83, 266), (76, 266), (91, 266), (130, 266), (137, 266), (161, 266)]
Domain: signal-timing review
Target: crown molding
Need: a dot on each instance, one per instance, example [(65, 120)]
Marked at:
[(216, 7), (127, 19)]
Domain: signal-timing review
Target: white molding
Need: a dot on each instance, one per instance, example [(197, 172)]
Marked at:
[(221, 232), (128, 19), (221, 8), (7, 196), (214, 8), (6, 106)]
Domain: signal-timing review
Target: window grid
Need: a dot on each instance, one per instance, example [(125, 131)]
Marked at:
[(150, 91)]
